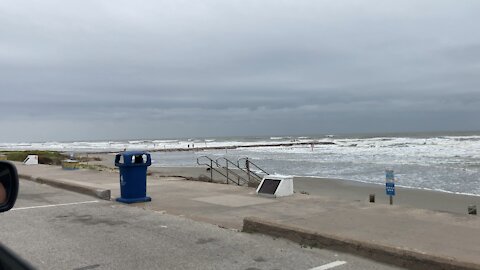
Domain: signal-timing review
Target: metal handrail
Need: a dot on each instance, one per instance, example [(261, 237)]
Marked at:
[(227, 161), (250, 163), (218, 171), (247, 171), (211, 160), (229, 171)]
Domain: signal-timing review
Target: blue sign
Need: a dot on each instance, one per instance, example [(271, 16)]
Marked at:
[(390, 188)]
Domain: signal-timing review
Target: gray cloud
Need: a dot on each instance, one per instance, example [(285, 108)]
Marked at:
[(102, 69)]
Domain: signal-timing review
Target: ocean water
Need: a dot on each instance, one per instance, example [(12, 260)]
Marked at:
[(445, 162)]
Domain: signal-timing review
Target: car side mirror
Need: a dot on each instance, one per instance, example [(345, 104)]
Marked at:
[(8, 185)]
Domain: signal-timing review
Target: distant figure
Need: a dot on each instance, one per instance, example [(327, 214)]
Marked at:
[(189, 146)]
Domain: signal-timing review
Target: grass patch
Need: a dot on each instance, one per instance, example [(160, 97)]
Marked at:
[(97, 167), (44, 157), (87, 159)]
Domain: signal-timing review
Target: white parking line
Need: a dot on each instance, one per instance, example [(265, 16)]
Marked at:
[(51, 205), (329, 265)]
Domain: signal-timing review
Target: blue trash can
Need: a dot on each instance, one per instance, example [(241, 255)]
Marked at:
[(133, 176)]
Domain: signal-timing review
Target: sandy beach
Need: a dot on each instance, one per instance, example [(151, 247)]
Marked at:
[(339, 189), (358, 191)]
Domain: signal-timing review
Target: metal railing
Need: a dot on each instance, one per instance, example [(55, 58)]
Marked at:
[(249, 164), (232, 169), (235, 166), (229, 170), (213, 165)]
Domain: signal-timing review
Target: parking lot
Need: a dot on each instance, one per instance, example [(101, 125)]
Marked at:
[(57, 229)]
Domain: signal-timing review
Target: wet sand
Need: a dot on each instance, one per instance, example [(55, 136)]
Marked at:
[(347, 190), (358, 191)]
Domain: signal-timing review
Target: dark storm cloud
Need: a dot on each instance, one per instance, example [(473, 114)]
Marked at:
[(101, 69)]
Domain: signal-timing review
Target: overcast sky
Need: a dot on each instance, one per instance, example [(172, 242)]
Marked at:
[(86, 70)]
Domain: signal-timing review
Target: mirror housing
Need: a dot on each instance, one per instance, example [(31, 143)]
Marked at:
[(8, 185)]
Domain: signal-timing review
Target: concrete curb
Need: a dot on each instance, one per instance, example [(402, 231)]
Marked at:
[(386, 254), (100, 193)]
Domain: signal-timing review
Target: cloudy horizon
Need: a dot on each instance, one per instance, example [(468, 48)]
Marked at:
[(105, 70)]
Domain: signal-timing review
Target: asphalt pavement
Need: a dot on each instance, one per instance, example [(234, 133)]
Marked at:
[(58, 229)]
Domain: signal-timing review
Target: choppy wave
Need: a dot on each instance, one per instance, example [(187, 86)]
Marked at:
[(435, 163), (447, 163)]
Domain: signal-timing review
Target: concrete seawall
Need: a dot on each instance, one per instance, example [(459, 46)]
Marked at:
[(86, 189), (387, 254)]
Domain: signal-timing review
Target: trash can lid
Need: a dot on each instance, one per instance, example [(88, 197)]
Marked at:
[(133, 158), (133, 153)]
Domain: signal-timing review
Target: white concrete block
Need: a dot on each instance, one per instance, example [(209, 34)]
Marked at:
[(276, 186), (31, 160)]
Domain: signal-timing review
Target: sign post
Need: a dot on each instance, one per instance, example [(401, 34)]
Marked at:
[(390, 184)]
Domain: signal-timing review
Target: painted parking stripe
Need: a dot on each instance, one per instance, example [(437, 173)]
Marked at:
[(51, 205), (329, 265)]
